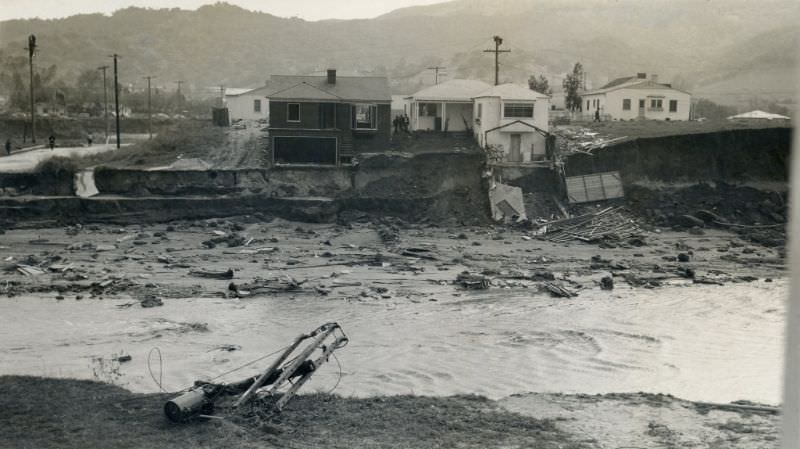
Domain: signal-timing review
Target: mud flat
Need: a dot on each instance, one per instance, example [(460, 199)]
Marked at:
[(214, 294)]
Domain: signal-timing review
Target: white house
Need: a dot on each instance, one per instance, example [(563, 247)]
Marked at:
[(247, 104), (513, 119), (637, 97), (447, 106)]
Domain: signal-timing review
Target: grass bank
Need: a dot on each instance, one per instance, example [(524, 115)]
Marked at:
[(61, 413)]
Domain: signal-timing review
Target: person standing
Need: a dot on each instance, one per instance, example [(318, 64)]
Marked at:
[(89, 139), (52, 141), (8, 147)]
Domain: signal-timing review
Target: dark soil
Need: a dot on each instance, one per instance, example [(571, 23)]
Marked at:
[(61, 413)]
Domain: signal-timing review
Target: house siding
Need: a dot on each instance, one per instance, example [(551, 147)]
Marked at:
[(611, 104), (533, 144)]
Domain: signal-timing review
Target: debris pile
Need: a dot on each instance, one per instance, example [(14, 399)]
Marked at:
[(611, 222), (583, 140)]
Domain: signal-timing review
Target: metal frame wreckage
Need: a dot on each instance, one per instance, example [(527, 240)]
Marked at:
[(202, 399)]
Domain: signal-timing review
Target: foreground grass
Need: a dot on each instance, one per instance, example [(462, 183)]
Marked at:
[(60, 413)]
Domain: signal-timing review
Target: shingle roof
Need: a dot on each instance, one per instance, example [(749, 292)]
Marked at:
[(452, 90), (512, 92), (347, 88)]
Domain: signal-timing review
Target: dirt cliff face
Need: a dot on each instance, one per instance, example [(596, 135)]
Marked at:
[(731, 156)]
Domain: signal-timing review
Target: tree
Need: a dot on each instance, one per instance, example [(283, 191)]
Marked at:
[(540, 84), (713, 111), (572, 83)]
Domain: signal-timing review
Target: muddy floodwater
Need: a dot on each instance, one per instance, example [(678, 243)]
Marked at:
[(709, 343)]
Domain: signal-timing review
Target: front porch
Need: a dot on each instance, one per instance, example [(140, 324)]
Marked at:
[(444, 116)]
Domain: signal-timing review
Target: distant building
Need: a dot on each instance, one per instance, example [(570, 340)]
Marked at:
[(513, 120), (247, 104), (327, 119), (636, 97), (445, 106)]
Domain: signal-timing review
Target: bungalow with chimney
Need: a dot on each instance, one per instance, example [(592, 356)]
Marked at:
[(636, 97), (327, 119)]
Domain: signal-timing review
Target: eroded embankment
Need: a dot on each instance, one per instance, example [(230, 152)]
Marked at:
[(433, 186), (743, 155)]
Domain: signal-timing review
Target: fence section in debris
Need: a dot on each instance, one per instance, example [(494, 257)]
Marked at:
[(594, 187)]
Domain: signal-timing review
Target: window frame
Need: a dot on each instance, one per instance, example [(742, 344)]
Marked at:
[(256, 105), (518, 106), (671, 103), (626, 101), (373, 117), (289, 113)]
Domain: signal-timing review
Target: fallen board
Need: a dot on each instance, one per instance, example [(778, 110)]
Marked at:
[(594, 187)]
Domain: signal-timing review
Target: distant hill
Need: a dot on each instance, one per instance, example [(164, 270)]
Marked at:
[(702, 44)]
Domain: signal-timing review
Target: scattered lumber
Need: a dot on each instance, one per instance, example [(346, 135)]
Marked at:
[(213, 274), (558, 291), (609, 222)]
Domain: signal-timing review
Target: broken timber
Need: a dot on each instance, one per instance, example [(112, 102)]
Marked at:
[(200, 400)]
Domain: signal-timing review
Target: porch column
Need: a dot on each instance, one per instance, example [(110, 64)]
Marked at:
[(444, 116)]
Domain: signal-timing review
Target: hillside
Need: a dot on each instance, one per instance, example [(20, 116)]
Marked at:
[(225, 44)]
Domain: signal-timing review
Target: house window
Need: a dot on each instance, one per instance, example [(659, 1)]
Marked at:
[(626, 104), (427, 109), (587, 105), (518, 110), (673, 105), (655, 104), (480, 110), (365, 116), (256, 105), (293, 112)]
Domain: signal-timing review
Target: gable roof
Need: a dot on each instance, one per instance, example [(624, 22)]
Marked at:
[(511, 91), (236, 91), (452, 90), (759, 115), (347, 88)]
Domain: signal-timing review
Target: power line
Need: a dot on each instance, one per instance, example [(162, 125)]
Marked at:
[(436, 72)]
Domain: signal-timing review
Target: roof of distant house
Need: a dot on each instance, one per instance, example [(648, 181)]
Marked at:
[(759, 115), (511, 91), (235, 92), (452, 90), (631, 82), (346, 88)]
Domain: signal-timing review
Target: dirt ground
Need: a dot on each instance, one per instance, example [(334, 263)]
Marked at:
[(192, 286)]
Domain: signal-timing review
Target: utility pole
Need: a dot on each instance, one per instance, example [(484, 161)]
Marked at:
[(436, 72), (116, 96), (105, 98), (31, 51), (497, 42), (149, 109), (221, 95)]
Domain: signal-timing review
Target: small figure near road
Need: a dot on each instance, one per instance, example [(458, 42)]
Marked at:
[(396, 123), (89, 139), (8, 147), (52, 141), (597, 115), (405, 122)]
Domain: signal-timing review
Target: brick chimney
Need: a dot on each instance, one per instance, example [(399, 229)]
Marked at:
[(641, 76), (331, 76), (654, 78)]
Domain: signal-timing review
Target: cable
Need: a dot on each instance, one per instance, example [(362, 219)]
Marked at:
[(160, 381), (340, 372)]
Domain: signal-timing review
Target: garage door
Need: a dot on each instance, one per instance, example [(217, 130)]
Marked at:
[(305, 150)]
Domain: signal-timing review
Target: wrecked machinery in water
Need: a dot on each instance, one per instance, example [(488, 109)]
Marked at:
[(205, 397)]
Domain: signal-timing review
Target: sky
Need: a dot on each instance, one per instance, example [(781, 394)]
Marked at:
[(305, 9)]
